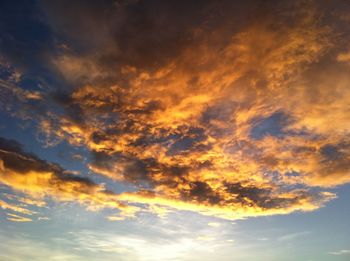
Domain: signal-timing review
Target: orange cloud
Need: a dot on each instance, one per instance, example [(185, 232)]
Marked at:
[(6, 206), (36, 178), (232, 121)]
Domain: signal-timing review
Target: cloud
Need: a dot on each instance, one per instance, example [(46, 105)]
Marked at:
[(227, 115), (16, 218), (6, 206), (146, 247), (26, 173), (214, 224), (293, 236), (340, 252)]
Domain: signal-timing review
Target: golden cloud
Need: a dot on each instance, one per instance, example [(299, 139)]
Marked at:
[(239, 118), (24, 172)]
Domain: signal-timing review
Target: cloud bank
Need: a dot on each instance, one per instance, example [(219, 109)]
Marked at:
[(227, 109)]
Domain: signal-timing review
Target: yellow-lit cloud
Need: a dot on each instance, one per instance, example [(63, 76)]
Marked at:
[(16, 218), (37, 179)]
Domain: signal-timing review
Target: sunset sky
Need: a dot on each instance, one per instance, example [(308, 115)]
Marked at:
[(170, 130)]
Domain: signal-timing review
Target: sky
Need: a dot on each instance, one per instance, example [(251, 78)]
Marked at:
[(171, 130)]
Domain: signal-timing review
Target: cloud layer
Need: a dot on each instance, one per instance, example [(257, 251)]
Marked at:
[(231, 109)]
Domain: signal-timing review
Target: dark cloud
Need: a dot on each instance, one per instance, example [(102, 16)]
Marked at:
[(119, 165), (263, 197), (14, 158), (335, 158), (144, 34), (202, 192)]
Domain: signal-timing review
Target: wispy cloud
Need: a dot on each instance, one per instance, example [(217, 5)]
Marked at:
[(17, 218), (340, 252), (293, 236)]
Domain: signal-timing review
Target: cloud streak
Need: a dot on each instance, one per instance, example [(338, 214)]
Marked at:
[(37, 179)]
